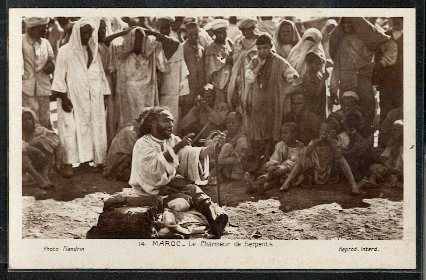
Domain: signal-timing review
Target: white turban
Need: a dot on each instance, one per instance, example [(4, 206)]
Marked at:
[(208, 26), (350, 94), (245, 23), (399, 122), (208, 87), (172, 19), (36, 21), (220, 23)]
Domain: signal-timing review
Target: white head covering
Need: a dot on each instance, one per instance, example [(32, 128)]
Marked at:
[(108, 26), (75, 39), (172, 19), (220, 23), (399, 122), (117, 24), (247, 22), (350, 94), (208, 26), (329, 22), (35, 21), (297, 55), (281, 50), (208, 86)]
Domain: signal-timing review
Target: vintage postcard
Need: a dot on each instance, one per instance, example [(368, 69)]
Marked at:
[(212, 138)]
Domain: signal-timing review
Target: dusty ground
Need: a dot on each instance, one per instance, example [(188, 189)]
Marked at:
[(319, 212)]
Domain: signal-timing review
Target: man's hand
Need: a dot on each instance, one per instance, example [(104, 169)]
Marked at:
[(278, 171), (334, 99), (66, 104), (49, 67), (186, 141), (262, 62), (127, 30), (229, 60), (106, 101), (325, 75), (219, 139)]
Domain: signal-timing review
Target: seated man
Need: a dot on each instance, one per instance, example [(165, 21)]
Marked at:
[(205, 116), (390, 169), (159, 155), (386, 128), (119, 158), (308, 123), (38, 145)]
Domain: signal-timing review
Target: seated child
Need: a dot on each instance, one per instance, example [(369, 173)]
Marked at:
[(314, 83), (233, 153), (390, 170), (355, 148), (286, 154), (321, 155)]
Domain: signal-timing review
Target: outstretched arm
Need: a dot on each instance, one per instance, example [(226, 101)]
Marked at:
[(107, 40)]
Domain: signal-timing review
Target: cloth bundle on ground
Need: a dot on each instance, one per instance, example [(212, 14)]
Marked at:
[(181, 218)]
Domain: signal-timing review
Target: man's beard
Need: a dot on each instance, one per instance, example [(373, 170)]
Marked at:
[(164, 133)]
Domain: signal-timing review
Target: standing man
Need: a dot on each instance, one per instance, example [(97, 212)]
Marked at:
[(38, 62), (244, 50), (219, 60), (352, 46), (194, 59), (390, 77), (80, 85), (174, 83), (270, 79)]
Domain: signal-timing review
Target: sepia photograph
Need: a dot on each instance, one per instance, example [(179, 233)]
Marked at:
[(244, 127)]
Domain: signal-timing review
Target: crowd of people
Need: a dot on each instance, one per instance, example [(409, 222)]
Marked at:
[(162, 102)]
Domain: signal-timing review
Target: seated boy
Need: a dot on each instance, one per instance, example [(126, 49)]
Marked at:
[(390, 170), (355, 148), (320, 156), (233, 153), (286, 154)]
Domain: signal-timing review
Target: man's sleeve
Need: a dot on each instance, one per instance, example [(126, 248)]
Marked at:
[(59, 83), (50, 54), (153, 166)]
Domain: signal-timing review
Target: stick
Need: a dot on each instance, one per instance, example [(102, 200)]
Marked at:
[(218, 179), (201, 132)]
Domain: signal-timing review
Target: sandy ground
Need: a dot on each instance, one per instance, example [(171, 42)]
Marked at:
[(319, 212)]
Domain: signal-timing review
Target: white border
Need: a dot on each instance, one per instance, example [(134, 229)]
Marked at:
[(120, 254)]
